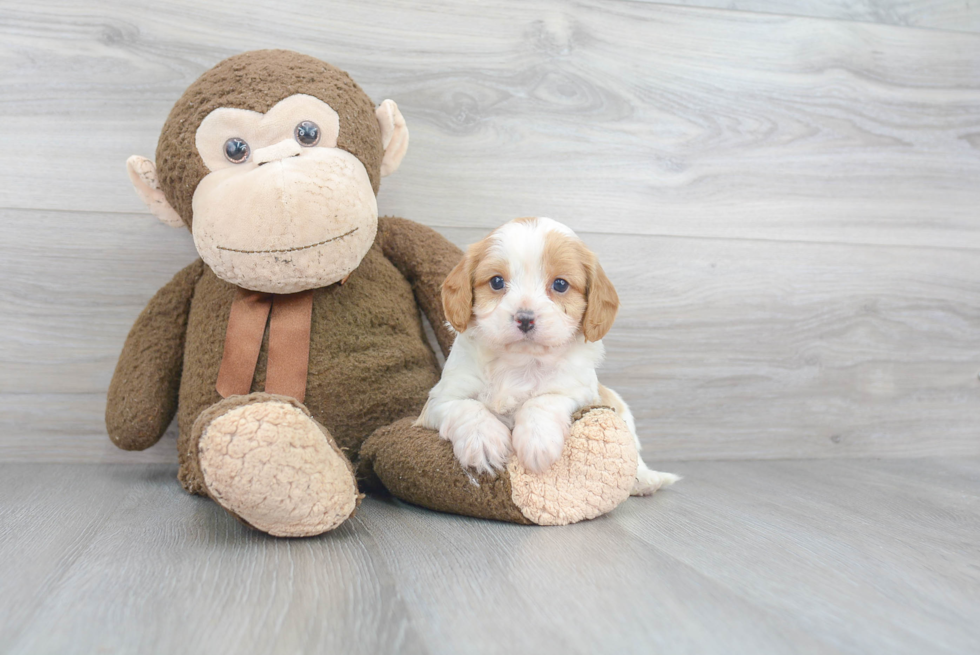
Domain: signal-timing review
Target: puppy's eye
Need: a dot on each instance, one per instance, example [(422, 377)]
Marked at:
[(560, 285), (307, 134), (496, 283), (236, 150)]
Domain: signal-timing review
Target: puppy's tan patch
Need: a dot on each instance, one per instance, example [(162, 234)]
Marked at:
[(603, 304), (567, 258), (485, 298), (458, 288)]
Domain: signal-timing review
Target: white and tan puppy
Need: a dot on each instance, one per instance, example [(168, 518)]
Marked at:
[(530, 305)]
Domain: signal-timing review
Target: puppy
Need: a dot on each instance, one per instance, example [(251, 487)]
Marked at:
[(530, 305)]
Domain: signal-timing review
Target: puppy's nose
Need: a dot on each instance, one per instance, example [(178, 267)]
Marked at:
[(525, 321)]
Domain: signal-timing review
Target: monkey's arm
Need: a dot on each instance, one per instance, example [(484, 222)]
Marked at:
[(425, 258), (142, 397)]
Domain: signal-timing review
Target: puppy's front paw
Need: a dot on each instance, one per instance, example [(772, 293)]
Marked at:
[(538, 440), (481, 442)]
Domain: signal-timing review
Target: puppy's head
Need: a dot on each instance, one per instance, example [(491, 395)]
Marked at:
[(531, 284)]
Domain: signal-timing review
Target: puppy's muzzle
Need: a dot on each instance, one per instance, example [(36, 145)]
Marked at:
[(525, 321)]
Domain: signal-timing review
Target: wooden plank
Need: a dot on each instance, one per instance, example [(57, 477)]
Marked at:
[(45, 526), (723, 348), (613, 116), (871, 560), (754, 557), (586, 588), (163, 572), (932, 14), (62, 427)]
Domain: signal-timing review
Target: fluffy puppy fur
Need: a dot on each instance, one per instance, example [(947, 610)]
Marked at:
[(530, 305)]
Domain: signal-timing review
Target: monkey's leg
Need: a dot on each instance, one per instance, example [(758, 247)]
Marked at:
[(595, 473), (266, 461)]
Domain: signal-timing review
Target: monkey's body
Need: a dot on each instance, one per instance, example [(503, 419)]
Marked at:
[(302, 224), (369, 361)]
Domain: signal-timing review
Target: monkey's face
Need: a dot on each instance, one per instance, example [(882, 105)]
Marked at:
[(273, 159), (283, 209)]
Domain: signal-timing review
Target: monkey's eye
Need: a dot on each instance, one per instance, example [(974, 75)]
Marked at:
[(560, 285), (236, 150), (496, 283), (307, 134)]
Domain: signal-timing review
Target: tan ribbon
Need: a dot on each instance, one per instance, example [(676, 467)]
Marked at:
[(289, 343)]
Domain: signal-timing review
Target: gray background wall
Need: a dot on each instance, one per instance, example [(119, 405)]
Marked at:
[(787, 195)]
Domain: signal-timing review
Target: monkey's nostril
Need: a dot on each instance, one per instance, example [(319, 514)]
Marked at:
[(269, 161), (277, 152)]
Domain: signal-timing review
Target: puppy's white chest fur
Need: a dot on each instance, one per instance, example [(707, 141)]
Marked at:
[(503, 381), (512, 379)]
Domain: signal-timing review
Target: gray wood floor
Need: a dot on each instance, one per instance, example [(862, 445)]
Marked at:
[(832, 556), (786, 194)]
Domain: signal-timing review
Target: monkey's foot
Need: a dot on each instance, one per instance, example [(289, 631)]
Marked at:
[(595, 473), (266, 461)]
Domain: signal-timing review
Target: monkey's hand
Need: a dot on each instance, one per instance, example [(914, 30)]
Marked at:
[(142, 397), (425, 258)]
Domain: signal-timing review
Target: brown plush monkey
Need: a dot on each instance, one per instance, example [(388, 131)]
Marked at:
[(297, 334)]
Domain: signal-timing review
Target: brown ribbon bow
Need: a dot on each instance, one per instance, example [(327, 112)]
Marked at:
[(289, 319)]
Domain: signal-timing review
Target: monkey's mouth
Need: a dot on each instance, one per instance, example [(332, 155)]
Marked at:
[(278, 250)]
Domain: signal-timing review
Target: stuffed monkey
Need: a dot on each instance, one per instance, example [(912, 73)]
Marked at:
[(292, 352)]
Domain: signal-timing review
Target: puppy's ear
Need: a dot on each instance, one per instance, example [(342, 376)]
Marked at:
[(457, 294), (602, 303)]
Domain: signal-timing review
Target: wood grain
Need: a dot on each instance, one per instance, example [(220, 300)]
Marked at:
[(195, 589), (785, 194), (613, 116), (788, 204), (723, 348), (955, 15), (739, 557)]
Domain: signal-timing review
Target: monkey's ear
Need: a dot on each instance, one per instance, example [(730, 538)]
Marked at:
[(143, 175), (394, 136)]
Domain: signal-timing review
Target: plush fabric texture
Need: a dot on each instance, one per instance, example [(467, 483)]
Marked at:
[(595, 473), (309, 220), (270, 132), (142, 398), (278, 464), (266, 461), (419, 467), (256, 81), (394, 136), (289, 318), (369, 364), (247, 323), (401, 242), (143, 175)]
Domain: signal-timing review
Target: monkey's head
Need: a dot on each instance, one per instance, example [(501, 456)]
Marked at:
[(273, 160)]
